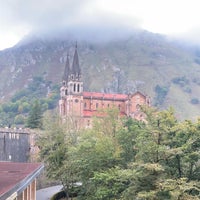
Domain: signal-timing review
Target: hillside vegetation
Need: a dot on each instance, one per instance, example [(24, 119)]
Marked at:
[(124, 159), (148, 62)]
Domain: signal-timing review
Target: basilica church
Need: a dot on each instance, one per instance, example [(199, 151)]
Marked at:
[(82, 106)]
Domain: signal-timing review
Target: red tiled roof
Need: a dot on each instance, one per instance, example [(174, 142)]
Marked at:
[(11, 174), (98, 95), (138, 92)]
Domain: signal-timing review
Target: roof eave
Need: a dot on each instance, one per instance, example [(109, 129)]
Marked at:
[(20, 187)]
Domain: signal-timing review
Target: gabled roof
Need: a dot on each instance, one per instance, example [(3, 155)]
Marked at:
[(105, 96), (15, 177), (138, 93)]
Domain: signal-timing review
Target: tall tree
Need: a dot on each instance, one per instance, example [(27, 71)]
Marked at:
[(56, 143), (126, 159), (35, 116)]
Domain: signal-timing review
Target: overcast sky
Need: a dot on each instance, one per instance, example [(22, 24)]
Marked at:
[(169, 17)]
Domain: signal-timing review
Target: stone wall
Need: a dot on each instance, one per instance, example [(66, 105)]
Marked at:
[(15, 145)]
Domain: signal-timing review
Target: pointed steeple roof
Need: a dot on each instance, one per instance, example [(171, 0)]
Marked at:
[(67, 70), (75, 65)]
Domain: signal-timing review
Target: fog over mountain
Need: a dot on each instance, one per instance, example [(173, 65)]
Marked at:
[(172, 18), (112, 60)]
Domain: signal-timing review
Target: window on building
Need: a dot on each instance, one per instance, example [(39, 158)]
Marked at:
[(85, 105), (119, 107), (74, 87), (137, 99), (78, 88), (137, 107), (97, 105)]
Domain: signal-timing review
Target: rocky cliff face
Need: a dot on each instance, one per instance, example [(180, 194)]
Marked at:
[(142, 61)]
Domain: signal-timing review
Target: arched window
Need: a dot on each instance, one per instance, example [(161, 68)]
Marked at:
[(78, 87), (74, 87), (138, 107)]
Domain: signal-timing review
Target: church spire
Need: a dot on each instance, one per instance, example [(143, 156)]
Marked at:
[(66, 71), (75, 65)]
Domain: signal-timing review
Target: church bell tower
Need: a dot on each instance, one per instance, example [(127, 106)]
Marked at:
[(71, 92)]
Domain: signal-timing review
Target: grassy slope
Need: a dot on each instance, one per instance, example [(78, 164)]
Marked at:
[(146, 58), (151, 62)]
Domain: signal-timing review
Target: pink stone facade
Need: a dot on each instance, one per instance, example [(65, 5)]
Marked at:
[(82, 106)]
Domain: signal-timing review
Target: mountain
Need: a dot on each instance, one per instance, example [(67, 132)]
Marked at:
[(165, 70)]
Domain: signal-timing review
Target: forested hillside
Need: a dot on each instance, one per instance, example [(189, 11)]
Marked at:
[(161, 68)]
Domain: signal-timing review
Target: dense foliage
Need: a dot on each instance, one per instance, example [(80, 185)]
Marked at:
[(161, 93), (125, 159), (16, 111), (35, 116)]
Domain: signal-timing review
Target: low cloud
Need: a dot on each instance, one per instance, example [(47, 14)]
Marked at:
[(82, 18)]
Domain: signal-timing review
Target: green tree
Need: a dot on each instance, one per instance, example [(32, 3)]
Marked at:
[(95, 152), (56, 144), (19, 119), (126, 159), (110, 184), (126, 137), (161, 93), (35, 116)]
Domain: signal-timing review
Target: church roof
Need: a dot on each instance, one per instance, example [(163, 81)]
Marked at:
[(98, 95), (138, 93)]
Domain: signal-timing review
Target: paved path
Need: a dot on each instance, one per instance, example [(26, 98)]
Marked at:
[(47, 193)]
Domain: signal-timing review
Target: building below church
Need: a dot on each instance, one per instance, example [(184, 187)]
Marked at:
[(18, 180), (82, 106)]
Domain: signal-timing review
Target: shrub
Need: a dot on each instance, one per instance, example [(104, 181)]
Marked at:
[(194, 101), (182, 81), (161, 92)]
